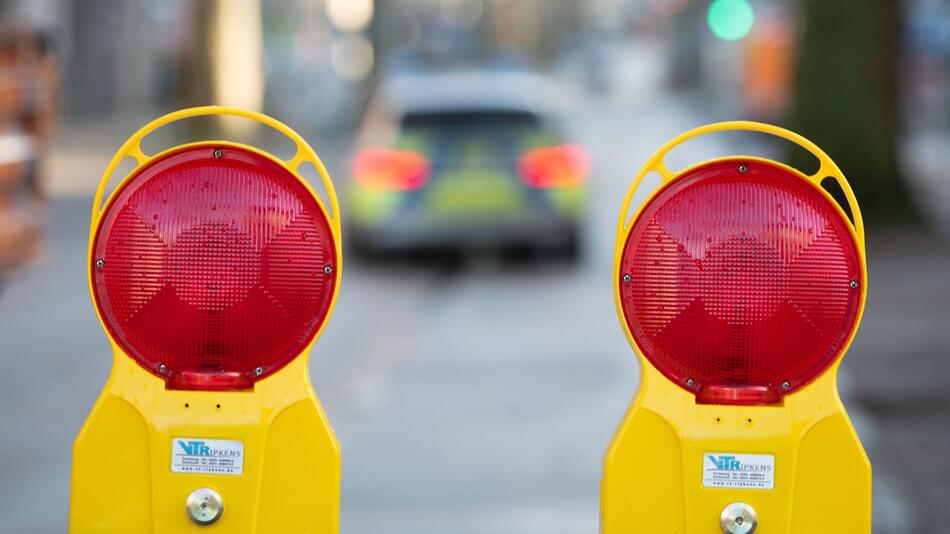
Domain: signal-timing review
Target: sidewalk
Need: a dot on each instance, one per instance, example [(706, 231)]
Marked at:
[(897, 373)]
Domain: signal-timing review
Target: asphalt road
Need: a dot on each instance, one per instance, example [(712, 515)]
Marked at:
[(481, 400)]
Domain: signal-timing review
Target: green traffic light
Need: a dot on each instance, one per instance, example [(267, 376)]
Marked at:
[(730, 20)]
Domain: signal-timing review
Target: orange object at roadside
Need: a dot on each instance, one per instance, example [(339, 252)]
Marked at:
[(768, 63)]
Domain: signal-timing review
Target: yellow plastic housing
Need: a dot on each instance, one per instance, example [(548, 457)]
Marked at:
[(653, 470), (122, 480)]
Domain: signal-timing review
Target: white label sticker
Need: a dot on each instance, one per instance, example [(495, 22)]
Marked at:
[(208, 456), (744, 471)]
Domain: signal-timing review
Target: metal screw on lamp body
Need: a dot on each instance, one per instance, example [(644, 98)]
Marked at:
[(100, 263), (786, 385), (854, 284), (743, 169), (627, 278), (738, 518), (259, 371), (162, 368), (218, 153), (328, 269), (204, 506)]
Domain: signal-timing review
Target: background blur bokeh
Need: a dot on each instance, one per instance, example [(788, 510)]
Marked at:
[(477, 395)]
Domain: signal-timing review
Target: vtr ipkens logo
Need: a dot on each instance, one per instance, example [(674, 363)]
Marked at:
[(195, 448), (215, 448), (725, 463)]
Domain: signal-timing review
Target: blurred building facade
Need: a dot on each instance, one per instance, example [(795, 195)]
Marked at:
[(315, 62), (316, 58)]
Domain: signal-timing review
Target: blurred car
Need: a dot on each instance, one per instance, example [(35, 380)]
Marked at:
[(29, 81), (466, 160)]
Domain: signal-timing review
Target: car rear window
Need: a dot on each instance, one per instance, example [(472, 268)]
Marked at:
[(471, 119)]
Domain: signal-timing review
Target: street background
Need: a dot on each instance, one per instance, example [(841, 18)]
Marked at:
[(479, 397)]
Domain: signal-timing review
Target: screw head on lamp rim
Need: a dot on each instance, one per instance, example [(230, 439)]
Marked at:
[(213, 267), (739, 280)]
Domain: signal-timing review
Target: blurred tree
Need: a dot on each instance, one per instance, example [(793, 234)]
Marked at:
[(223, 59), (197, 85), (228, 64), (845, 96)]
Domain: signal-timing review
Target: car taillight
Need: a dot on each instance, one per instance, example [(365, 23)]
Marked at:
[(390, 170), (213, 268), (739, 282), (557, 166)]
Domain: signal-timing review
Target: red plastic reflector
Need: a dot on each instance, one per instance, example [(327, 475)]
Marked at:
[(741, 286), (390, 170), (557, 166), (210, 271)]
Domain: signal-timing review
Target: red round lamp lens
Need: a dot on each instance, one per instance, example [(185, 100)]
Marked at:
[(741, 285), (213, 268)]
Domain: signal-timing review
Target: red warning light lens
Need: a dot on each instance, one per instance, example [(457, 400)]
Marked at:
[(213, 268), (741, 286)]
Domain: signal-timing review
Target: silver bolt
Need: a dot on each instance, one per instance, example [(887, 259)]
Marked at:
[(690, 382), (743, 169), (627, 278), (328, 269), (162, 368), (218, 153), (854, 284), (259, 371), (738, 518), (786, 385), (204, 506), (100, 263)]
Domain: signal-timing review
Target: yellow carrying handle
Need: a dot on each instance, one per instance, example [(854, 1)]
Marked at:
[(826, 169), (133, 148)]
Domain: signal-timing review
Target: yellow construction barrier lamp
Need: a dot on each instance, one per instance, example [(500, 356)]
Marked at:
[(740, 283), (213, 267)]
